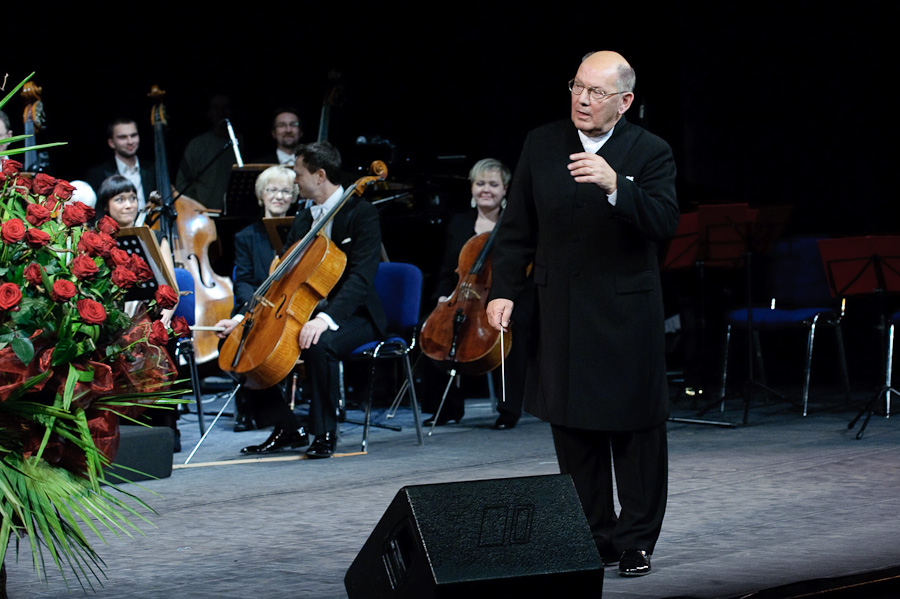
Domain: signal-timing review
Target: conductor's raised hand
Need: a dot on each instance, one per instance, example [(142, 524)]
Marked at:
[(587, 167)]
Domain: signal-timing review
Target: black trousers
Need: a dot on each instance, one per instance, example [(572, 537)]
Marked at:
[(640, 462), (321, 362)]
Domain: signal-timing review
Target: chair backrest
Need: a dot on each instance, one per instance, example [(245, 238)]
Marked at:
[(399, 286), (796, 276), (185, 305)]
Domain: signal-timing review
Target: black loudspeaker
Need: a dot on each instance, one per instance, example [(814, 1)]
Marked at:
[(518, 537), (145, 453)]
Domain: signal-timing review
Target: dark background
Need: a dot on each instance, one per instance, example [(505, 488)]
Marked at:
[(765, 103), (774, 103)]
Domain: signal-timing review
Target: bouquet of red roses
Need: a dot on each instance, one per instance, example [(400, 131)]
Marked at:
[(72, 362)]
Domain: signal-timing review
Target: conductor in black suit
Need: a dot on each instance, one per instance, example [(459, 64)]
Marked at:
[(351, 314), (124, 140), (589, 205)]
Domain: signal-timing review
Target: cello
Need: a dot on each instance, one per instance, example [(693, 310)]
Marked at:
[(457, 333), (190, 238), (264, 347)]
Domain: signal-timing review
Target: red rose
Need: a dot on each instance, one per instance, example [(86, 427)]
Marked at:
[(52, 204), (180, 327), (158, 333), (11, 167), (37, 214), (90, 311), (108, 225), (43, 184), (83, 267), (120, 257), (76, 214), (10, 294), (23, 181), (140, 267), (123, 278), (96, 244), (63, 290), (12, 231), (63, 190), (32, 273), (37, 238), (166, 297)]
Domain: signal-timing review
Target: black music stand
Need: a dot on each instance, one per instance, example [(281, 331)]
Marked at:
[(863, 266), (684, 252), (142, 241), (729, 236), (277, 230), (240, 195)]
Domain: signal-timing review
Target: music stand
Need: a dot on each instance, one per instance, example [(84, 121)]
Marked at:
[(729, 236), (862, 266), (142, 241), (277, 230), (240, 195), (683, 252)]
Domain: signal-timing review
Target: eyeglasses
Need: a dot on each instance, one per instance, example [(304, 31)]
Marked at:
[(274, 191), (596, 94), (291, 125)]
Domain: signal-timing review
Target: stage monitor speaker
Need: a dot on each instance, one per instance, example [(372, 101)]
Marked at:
[(517, 537)]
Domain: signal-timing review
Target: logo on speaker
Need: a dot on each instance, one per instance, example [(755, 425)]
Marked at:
[(503, 525)]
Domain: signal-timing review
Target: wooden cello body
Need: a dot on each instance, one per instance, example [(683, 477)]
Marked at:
[(191, 237), (457, 333), (264, 347)]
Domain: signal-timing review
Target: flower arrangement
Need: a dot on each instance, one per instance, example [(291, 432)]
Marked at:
[(72, 363)]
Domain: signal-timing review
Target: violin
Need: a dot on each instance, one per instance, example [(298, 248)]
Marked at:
[(191, 232), (263, 348), (457, 333)]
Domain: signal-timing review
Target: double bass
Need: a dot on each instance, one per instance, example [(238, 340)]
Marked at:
[(190, 237), (34, 120), (457, 332), (264, 347)]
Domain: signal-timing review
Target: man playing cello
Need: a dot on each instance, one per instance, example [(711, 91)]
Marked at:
[(351, 315)]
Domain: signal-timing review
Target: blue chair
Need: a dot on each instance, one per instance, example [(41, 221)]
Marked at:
[(801, 299), (399, 287), (185, 347)]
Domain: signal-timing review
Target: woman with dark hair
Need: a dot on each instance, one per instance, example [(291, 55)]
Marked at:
[(117, 198)]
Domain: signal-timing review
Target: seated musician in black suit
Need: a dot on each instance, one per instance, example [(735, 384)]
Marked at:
[(276, 192), (489, 179), (352, 313)]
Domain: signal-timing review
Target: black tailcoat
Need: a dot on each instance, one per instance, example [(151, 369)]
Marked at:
[(600, 340)]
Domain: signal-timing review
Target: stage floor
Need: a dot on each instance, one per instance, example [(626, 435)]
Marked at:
[(784, 500)]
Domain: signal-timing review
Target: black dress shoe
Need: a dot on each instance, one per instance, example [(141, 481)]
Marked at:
[(279, 439), (446, 416), (634, 562), (504, 423), (322, 447), (242, 426)]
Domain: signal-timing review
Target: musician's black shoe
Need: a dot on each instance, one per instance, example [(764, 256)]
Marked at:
[(504, 423), (322, 447), (447, 415), (279, 439), (634, 562)]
